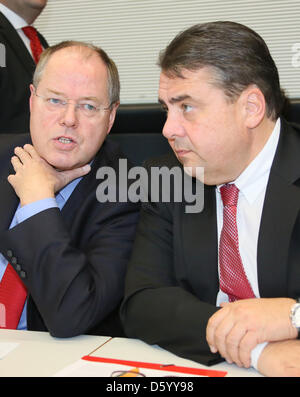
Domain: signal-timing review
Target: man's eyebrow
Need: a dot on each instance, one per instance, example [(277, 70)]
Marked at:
[(86, 98), (177, 99), (55, 92), (180, 98), (89, 98)]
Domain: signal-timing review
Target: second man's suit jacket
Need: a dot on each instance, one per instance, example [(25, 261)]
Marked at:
[(172, 281), (15, 79), (73, 262)]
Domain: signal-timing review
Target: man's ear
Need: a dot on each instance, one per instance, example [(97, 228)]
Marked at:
[(112, 116), (254, 106), (32, 91)]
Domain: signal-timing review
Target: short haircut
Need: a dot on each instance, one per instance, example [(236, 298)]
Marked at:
[(113, 75), (238, 56)]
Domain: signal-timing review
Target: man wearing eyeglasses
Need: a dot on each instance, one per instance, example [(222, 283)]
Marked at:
[(64, 253)]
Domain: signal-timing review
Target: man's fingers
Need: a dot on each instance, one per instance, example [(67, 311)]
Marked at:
[(22, 154), (247, 344), (11, 179), (31, 150), (16, 163), (222, 332), (27, 152), (70, 175), (84, 170), (210, 333), (232, 342), (217, 331), (212, 325), (66, 177)]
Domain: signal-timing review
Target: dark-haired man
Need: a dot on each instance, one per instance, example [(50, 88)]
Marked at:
[(223, 282)]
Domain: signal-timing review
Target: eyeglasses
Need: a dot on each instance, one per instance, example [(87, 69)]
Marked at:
[(129, 373), (86, 109)]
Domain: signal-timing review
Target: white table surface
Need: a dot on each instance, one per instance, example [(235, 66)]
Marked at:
[(40, 355), (136, 350)]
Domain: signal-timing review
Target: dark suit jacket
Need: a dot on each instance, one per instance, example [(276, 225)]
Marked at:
[(172, 281), (73, 261), (15, 79)]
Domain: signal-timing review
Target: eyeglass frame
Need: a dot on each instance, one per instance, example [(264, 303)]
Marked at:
[(77, 105)]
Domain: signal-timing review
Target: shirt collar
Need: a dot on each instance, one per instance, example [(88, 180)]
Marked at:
[(66, 192), (15, 19), (254, 178)]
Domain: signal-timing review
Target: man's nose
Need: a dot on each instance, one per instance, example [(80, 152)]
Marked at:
[(172, 127), (69, 116)]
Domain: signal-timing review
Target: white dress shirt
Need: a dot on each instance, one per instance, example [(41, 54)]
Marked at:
[(252, 184)]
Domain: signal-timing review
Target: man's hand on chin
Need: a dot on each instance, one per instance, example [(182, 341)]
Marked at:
[(35, 179)]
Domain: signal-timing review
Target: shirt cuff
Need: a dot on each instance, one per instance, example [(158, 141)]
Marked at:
[(256, 352), (31, 209)]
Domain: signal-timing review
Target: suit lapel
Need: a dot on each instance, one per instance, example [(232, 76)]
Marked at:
[(281, 208), (16, 44), (8, 200), (200, 247), (43, 40)]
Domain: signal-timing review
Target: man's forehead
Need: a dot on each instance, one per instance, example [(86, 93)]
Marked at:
[(70, 75), (74, 61), (188, 81), (74, 54), (204, 73), (168, 82), (171, 86)]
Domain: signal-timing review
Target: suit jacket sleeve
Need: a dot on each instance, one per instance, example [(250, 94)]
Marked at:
[(158, 307), (73, 287)]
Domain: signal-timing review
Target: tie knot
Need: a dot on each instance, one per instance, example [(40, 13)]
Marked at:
[(229, 194), (30, 31)]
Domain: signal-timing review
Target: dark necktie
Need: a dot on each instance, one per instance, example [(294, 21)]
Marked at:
[(35, 43), (233, 279), (12, 298)]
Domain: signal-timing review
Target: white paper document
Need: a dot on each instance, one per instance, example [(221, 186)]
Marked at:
[(6, 348), (83, 368), (94, 367)]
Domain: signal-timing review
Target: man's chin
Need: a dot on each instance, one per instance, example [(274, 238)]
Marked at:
[(61, 166)]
